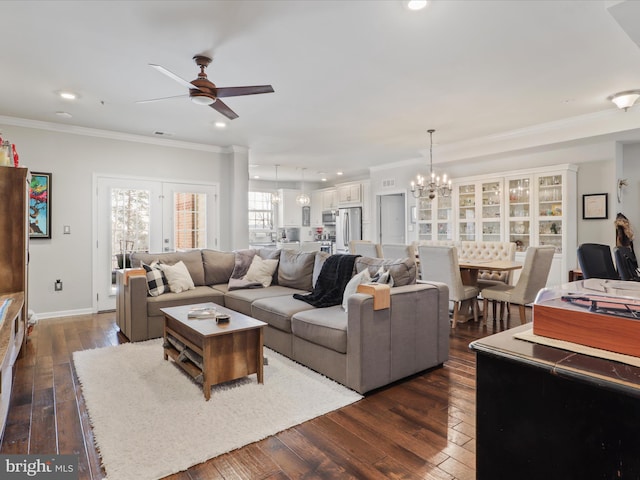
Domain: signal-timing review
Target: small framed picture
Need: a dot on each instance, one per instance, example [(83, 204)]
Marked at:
[(595, 206), (40, 205), (414, 215)]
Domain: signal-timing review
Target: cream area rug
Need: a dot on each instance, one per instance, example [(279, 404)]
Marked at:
[(150, 420)]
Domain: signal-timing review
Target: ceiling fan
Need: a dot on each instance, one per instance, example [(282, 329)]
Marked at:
[(204, 92)]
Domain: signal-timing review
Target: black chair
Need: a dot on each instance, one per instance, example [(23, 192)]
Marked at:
[(627, 264), (596, 261)]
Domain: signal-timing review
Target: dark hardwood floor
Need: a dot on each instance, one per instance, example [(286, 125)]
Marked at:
[(420, 428)]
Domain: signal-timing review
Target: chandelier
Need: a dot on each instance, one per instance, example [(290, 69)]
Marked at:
[(431, 186), (275, 197), (303, 199)]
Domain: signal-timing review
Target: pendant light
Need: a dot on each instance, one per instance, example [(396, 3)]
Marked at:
[(275, 197), (303, 199)]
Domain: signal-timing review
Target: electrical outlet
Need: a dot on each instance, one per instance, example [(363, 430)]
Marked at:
[(58, 285)]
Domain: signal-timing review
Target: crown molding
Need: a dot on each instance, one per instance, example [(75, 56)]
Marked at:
[(108, 134)]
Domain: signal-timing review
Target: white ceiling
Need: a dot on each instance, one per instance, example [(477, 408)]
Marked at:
[(357, 83)]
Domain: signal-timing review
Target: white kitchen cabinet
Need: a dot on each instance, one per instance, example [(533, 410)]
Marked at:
[(349, 193), (289, 212), (367, 212), (317, 206), (329, 199)]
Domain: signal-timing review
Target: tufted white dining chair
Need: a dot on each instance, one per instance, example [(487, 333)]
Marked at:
[(440, 264), (537, 263)]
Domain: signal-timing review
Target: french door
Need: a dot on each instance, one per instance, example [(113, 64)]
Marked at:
[(136, 215)]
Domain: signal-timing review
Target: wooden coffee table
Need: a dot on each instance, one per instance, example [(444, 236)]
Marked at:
[(211, 352)]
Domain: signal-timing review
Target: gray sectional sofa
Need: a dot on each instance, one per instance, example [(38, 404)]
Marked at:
[(363, 348)]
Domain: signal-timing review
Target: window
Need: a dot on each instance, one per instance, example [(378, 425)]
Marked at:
[(260, 211)]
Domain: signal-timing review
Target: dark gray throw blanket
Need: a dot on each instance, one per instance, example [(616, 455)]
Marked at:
[(336, 272)]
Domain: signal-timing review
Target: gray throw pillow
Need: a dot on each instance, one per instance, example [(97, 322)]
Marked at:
[(296, 269), (218, 266), (403, 270)]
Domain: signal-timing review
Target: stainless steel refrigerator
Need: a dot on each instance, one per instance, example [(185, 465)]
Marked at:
[(348, 227)]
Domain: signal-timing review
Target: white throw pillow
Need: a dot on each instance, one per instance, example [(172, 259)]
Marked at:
[(352, 286), (178, 277), (261, 271)]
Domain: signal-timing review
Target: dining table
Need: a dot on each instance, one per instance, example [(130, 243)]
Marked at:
[(469, 270)]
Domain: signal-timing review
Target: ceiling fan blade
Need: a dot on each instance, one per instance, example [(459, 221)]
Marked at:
[(222, 107), (173, 76), (163, 98), (237, 91)]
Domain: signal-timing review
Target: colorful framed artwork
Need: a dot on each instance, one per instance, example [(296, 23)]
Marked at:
[(40, 205), (595, 206)]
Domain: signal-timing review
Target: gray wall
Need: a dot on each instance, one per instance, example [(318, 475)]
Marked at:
[(72, 160)]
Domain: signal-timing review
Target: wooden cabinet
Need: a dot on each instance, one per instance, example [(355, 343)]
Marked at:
[(14, 243), (544, 412), (349, 193), (289, 212)]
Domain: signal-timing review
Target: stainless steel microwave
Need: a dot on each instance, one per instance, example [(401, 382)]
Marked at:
[(329, 217)]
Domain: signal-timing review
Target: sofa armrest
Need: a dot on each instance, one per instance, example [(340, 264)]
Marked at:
[(131, 308), (410, 336)]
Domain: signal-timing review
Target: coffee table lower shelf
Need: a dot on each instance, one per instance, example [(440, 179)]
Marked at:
[(213, 354)]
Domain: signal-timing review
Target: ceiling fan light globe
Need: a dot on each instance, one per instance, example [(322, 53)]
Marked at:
[(202, 100)]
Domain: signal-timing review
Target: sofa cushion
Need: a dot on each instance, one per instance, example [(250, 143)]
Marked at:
[(156, 280), (217, 266), (201, 294), (178, 277), (402, 270), (296, 269), (261, 271), (326, 327), (277, 311), (241, 300), (352, 287), (192, 259), (243, 259)]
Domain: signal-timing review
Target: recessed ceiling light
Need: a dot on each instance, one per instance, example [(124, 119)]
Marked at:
[(338, 173), (416, 5), (68, 95), (323, 179), (220, 125), (256, 177), (64, 114)]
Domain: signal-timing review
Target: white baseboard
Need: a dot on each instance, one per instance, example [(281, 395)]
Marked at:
[(64, 313)]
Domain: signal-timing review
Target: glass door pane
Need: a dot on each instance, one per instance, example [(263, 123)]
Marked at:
[(190, 220), (550, 211), (444, 218), (520, 213), (130, 225), (491, 212), (467, 212), (425, 219)]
